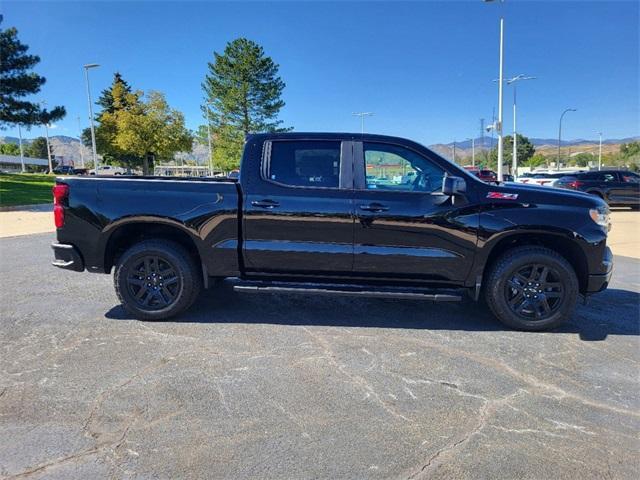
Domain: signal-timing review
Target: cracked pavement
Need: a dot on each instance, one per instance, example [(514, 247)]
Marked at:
[(284, 386)]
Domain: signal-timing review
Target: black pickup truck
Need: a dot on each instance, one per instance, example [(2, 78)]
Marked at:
[(338, 214)]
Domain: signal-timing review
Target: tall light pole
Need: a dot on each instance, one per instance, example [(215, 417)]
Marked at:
[(560, 132), (210, 162), (46, 132), (81, 145), (600, 152), (93, 131), (454, 150), (500, 81), (362, 115), (513, 80), (21, 149), (473, 152)]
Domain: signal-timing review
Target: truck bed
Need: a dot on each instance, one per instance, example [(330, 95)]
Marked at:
[(117, 209)]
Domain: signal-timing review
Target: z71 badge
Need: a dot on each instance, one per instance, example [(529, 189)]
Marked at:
[(502, 196)]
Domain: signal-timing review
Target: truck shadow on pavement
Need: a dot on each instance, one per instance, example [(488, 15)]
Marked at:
[(613, 312)]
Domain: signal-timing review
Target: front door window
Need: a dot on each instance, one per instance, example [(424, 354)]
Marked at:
[(394, 168)]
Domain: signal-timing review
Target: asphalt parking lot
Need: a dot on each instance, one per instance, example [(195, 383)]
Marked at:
[(248, 386)]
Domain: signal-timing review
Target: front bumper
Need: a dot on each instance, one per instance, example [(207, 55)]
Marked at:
[(599, 282), (67, 257)]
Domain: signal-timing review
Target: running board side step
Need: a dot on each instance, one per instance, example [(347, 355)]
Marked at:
[(349, 291)]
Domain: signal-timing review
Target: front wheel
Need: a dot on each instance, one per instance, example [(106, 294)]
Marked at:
[(156, 279), (532, 288)]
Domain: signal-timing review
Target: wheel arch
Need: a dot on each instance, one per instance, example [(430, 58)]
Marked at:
[(562, 244), (128, 233)]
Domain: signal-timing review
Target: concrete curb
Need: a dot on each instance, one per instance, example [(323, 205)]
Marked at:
[(38, 207)]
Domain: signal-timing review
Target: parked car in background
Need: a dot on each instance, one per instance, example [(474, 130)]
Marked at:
[(619, 188), (234, 174), (544, 179), (486, 175), (63, 170), (108, 170)]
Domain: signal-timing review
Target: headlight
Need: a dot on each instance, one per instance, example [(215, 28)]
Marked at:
[(601, 217)]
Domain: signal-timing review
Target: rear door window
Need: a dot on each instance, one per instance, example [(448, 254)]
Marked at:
[(305, 163)]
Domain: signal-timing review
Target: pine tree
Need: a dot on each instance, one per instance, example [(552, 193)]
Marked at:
[(38, 148), (18, 81), (243, 93), (118, 96), (106, 100)]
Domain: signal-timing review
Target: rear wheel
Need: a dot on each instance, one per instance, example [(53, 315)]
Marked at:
[(156, 279), (532, 288)]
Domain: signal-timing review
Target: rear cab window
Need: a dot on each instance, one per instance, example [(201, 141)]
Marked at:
[(303, 163)]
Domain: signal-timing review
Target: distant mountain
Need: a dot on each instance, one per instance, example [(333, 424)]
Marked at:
[(69, 148), (537, 142)]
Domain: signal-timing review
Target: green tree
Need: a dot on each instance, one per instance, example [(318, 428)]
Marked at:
[(9, 149), (243, 95), (112, 100), (583, 159), (536, 160), (525, 151), (149, 128), (18, 81), (630, 149), (38, 148)]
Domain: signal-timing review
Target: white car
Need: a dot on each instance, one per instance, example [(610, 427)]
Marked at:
[(108, 170), (543, 179)]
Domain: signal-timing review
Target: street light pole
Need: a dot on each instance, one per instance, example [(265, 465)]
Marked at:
[(362, 115), (93, 131), (514, 158), (600, 152), (210, 163), (21, 149), (46, 131), (81, 145), (560, 132), (500, 78), (454, 150), (498, 125), (473, 152), (514, 155)]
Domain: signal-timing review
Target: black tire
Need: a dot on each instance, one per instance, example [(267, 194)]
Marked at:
[(511, 286), (157, 279)]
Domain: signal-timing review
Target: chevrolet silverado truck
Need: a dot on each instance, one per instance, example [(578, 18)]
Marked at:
[(337, 214)]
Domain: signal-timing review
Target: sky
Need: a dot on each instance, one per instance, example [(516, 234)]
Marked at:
[(425, 69)]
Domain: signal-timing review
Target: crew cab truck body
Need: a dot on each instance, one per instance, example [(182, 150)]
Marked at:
[(329, 213)]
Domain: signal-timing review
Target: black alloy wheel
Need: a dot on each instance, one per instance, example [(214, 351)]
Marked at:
[(157, 279), (531, 287), (534, 292), (153, 282)]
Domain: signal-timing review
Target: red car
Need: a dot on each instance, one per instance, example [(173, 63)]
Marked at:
[(486, 175)]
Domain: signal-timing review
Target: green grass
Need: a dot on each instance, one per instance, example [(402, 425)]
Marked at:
[(25, 189)]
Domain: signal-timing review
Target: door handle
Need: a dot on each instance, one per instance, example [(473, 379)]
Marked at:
[(374, 207), (265, 203)]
